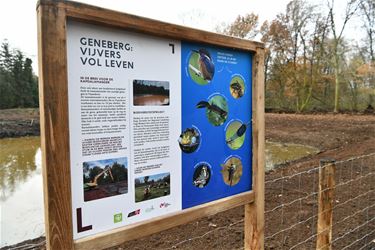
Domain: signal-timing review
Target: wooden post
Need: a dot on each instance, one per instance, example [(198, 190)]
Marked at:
[(254, 212), (53, 95), (325, 208)]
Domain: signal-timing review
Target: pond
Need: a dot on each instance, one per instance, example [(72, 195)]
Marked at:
[(279, 153), (151, 100), (21, 196)]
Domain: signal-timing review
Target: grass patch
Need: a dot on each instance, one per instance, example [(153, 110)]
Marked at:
[(155, 193)]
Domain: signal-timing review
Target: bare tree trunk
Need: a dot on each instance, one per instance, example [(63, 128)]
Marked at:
[(337, 83), (351, 8)]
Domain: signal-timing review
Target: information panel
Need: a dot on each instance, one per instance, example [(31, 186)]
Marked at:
[(156, 125)]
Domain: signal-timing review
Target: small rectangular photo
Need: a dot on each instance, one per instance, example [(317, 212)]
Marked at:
[(150, 93), (105, 178), (152, 186)]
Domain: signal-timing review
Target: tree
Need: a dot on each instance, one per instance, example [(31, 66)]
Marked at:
[(17, 76), (7, 98), (31, 84), (298, 17), (18, 84), (367, 9), (351, 8), (353, 80), (119, 172), (295, 43), (145, 179), (5, 57), (243, 27), (276, 37)]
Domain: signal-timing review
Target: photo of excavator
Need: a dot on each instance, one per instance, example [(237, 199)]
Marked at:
[(105, 178), (94, 183)]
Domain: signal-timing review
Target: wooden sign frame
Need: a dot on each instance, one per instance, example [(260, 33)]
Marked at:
[(53, 96)]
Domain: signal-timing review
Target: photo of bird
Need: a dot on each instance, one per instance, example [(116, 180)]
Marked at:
[(201, 66), (212, 107), (201, 176), (216, 109), (206, 66)]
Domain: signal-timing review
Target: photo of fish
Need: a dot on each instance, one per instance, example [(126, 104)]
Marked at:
[(232, 171), (201, 66), (237, 87), (189, 140), (216, 109)]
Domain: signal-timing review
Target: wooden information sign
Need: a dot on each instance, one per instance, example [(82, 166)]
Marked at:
[(145, 126)]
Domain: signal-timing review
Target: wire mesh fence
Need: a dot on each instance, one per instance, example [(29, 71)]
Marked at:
[(291, 213), (292, 206)]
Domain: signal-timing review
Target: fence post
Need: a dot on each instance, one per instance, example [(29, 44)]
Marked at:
[(325, 203)]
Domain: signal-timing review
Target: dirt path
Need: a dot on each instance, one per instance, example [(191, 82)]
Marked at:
[(337, 136)]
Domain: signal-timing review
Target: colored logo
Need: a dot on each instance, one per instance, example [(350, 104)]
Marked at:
[(134, 213), (164, 205), (117, 218)]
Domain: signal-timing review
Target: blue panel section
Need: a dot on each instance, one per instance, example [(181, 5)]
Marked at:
[(210, 172)]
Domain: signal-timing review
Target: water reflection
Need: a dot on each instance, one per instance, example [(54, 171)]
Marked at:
[(279, 153), (17, 163), (151, 100), (21, 195)]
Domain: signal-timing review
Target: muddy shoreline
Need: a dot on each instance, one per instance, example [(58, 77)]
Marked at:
[(19, 122), (20, 128)]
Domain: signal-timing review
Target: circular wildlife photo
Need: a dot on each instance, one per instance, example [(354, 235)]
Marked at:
[(202, 175), (216, 109), (232, 171), (235, 134), (189, 140), (237, 87), (201, 66)]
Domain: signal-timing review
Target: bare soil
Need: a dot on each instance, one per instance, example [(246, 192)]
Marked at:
[(339, 136)]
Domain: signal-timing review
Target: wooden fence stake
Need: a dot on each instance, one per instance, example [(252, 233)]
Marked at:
[(325, 200)]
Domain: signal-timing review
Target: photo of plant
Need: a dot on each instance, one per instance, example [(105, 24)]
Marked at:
[(189, 140)]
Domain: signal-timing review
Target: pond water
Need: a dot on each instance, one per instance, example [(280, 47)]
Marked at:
[(151, 100), (279, 153), (21, 193)]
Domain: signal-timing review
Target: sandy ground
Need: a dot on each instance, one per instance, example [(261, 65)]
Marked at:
[(339, 136)]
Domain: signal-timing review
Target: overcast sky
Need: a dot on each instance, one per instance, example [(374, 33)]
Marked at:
[(18, 17)]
